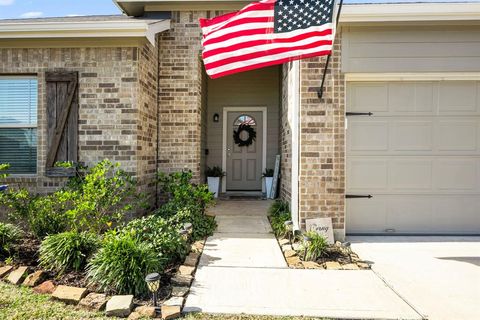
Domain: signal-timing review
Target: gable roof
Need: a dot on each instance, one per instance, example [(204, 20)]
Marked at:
[(363, 12), (113, 26)]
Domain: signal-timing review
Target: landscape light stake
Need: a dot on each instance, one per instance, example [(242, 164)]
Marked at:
[(184, 234), (189, 227), (306, 244), (289, 227), (153, 284)]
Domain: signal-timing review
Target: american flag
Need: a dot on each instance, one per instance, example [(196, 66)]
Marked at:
[(266, 33)]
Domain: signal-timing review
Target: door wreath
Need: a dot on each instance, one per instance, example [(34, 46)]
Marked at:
[(252, 135)]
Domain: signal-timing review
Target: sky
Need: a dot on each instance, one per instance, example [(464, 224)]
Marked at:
[(12, 9)]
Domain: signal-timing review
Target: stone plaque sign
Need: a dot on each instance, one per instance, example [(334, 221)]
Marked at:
[(321, 226)]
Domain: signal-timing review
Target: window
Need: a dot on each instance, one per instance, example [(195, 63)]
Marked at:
[(18, 124), (245, 120)]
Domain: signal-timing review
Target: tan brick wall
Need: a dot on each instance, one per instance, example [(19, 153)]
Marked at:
[(117, 104), (322, 134), (285, 140), (180, 101)]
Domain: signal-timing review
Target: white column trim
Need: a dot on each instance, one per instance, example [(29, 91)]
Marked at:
[(295, 127)]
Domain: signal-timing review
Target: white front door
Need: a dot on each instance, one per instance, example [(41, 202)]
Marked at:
[(244, 163), (418, 155)]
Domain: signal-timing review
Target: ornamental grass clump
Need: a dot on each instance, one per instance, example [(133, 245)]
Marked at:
[(68, 251), (9, 236), (279, 213), (316, 247), (121, 264)]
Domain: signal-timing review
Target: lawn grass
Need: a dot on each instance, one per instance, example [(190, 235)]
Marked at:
[(21, 303)]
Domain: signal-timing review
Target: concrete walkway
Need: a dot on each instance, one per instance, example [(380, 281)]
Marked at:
[(242, 270), (440, 276)]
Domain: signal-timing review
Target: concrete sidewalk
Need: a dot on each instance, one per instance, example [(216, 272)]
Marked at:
[(242, 270)]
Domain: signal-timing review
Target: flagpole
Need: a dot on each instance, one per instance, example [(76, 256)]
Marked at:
[(320, 91)]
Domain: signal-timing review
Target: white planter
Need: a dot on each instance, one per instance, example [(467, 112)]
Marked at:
[(268, 181), (214, 185)]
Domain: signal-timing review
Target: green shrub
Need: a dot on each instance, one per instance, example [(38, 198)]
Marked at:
[(67, 251), (203, 225), (279, 213), (100, 197), (317, 247), (215, 171), (121, 264), (278, 207), (161, 235), (9, 236), (48, 216)]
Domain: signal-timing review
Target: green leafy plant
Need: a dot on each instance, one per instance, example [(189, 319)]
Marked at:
[(317, 246), (100, 198), (203, 225), (4, 167), (215, 171), (279, 213), (278, 207), (121, 264), (268, 173), (48, 216), (9, 236), (161, 235), (67, 251)]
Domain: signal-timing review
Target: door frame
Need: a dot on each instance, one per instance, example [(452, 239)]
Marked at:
[(224, 137)]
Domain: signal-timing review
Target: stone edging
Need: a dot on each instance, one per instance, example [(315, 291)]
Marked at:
[(119, 305)]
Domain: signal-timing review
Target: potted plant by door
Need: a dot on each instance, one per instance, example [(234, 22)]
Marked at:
[(268, 181), (214, 175)]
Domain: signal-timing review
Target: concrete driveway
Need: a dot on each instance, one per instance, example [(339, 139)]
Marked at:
[(438, 276)]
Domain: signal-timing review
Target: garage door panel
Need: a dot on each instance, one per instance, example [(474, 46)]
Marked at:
[(368, 136), (458, 96), (368, 174), (454, 135), (414, 214), (409, 175), (419, 156), (412, 135), (457, 175)]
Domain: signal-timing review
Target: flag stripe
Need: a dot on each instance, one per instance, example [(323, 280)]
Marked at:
[(319, 45), (266, 49), (238, 44), (263, 34), (267, 64)]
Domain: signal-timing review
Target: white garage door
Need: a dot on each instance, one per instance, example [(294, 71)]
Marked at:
[(418, 156)]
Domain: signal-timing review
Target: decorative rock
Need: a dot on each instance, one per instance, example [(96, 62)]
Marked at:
[(181, 280), (180, 291), (94, 301), (146, 311), (287, 247), (283, 242), (296, 246), (174, 301), (171, 312), (338, 243), (17, 276), (192, 259), (135, 316), (290, 253), (354, 258), (119, 306), (70, 295), (363, 265), (197, 246), (35, 278), (293, 261), (332, 265), (186, 270), (46, 287), (350, 266), (311, 265), (5, 270)]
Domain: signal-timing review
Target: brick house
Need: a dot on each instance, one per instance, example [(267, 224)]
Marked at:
[(136, 93)]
